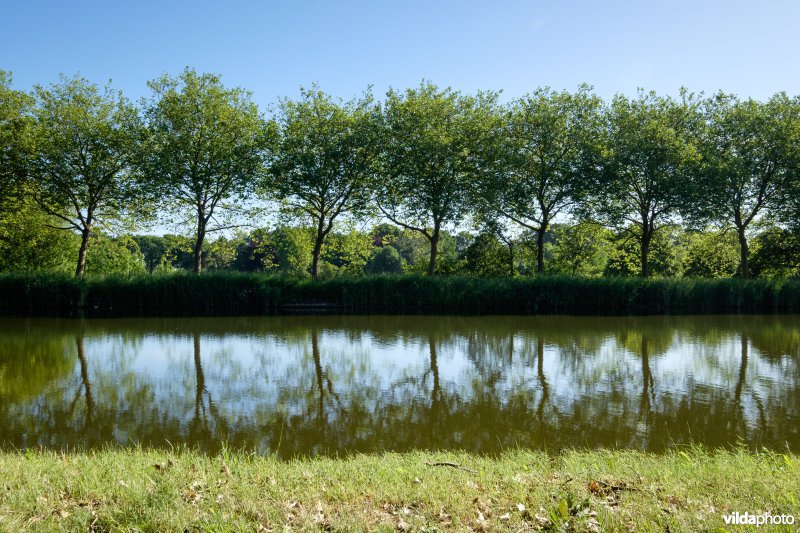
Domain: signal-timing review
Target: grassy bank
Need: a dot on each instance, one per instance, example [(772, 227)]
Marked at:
[(584, 491), (240, 294)]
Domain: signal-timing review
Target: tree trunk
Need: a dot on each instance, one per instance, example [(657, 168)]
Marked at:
[(434, 369), (85, 234), (744, 252), (540, 355), (511, 267), (434, 250), (647, 236), (540, 247), (198, 243), (645, 259), (317, 248)]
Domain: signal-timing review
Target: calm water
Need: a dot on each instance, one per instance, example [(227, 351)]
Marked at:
[(335, 385)]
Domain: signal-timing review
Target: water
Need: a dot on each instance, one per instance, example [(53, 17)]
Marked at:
[(311, 385)]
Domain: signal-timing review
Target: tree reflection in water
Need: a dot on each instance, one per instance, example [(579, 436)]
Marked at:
[(86, 385), (341, 384)]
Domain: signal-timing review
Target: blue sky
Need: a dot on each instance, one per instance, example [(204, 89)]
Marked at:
[(272, 48)]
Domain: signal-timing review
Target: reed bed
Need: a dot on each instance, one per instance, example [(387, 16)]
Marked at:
[(232, 293)]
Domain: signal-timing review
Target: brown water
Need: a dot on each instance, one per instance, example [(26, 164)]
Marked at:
[(308, 385)]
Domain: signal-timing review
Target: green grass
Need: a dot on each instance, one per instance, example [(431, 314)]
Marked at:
[(139, 490), (228, 293)]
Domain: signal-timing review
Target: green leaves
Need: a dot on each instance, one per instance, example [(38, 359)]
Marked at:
[(431, 140), (206, 145), (83, 148), (325, 152), (433, 149), (324, 159), (429, 159), (650, 152), (545, 147), (14, 134), (85, 141), (750, 163), (206, 141)]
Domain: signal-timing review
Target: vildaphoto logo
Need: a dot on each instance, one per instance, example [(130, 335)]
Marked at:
[(747, 519)]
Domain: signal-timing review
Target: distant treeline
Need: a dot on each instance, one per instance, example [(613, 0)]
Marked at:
[(581, 249), (426, 180)]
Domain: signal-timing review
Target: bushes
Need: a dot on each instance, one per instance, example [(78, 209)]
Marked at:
[(385, 260), (224, 293)]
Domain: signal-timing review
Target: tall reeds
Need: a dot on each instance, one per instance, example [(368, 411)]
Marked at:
[(225, 293)]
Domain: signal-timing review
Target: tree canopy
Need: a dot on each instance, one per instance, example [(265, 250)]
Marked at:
[(14, 128), (324, 160), (425, 180), (749, 161), (84, 144), (547, 147), (205, 148), (432, 148), (650, 154)]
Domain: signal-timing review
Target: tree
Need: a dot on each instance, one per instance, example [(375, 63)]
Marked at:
[(548, 146), (749, 161), (206, 146), (665, 254), (710, 254), (115, 255), (165, 252), (346, 253), (324, 159), (14, 124), (29, 240), (412, 246), (579, 249), (220, 254), (384, 234), (434, 143), (789, 214), (385, 260), (153, 249), (285, 249), (486, 256), (84, 144), (776, 253), (488, 223), (649, 157)]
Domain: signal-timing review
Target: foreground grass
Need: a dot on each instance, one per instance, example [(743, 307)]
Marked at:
[(583, 491), (232, 293)]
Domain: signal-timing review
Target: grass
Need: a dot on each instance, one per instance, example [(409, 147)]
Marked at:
[(140, 490), (231, 293)]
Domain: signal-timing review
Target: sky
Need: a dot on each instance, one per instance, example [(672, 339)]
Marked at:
[(272, 48)]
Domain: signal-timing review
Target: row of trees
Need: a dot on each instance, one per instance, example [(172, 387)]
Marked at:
[(427, 159)]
